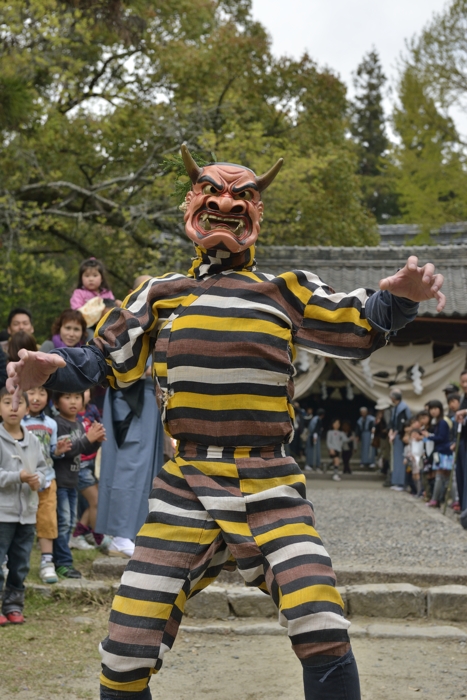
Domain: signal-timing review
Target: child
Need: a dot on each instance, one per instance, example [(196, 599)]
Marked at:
[(91, 283), (68, 331), (45, 429), (22, 473), (84, 534), (443, 458), (417, 452), (67, 473), (410, 454), (335, 439)]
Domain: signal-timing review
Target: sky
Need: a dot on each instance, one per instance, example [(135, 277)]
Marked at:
[(337, 33)]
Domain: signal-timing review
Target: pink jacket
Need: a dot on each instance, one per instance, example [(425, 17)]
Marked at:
[(81, 296)]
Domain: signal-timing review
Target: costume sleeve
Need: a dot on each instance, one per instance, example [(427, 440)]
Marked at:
[(388, 313), (347, 326), (85, 367)]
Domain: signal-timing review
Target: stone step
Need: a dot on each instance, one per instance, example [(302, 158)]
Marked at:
[(381, 600), (113, 568), (359, 628), (417, 576), (398, 601), (357, 475)]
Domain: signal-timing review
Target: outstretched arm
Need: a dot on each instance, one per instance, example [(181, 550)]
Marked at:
[(117, 354), (69, 369)]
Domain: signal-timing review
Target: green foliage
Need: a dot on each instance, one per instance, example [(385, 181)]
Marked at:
[(367, 115), (430, 176), (96, 98), (430, 161), (368, 128), (439, 55)]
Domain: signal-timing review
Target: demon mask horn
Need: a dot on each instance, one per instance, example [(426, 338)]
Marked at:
[(265, 180), (191, 167)]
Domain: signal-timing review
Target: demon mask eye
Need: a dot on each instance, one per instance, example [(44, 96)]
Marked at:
[(245, 195), (209, 189)]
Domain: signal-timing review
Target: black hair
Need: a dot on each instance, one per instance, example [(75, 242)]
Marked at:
[(18, 310), (320, 412), (422, 414), (434, 403), (451, 397), (57, 394), (464, 371), (4, 392), (96, 265)]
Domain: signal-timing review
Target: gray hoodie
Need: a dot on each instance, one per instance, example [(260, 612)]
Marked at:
[(18, 502)]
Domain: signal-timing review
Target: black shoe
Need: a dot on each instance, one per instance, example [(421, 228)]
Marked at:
[(67, 572)]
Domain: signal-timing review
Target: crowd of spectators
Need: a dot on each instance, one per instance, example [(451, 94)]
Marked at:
[(424, 454), (63, 445)]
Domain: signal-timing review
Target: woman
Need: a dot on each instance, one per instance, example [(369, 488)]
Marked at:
[(68, 331)]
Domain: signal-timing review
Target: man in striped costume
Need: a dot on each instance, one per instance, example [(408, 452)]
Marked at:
[(223, 340)]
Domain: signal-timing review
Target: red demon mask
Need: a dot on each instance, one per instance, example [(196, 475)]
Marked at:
[(224, 205)]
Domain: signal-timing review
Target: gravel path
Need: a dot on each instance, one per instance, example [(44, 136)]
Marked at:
[(362, 523)]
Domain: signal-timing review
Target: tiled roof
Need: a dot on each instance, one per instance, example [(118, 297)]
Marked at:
[(402, 234), (346, 269)]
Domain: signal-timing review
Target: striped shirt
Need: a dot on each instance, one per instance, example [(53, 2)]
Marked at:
[(224, 339)]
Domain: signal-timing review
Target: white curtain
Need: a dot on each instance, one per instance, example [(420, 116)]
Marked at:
[(308, 367), (410, 368)]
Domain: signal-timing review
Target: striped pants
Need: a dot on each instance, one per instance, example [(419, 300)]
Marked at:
[(207, 504)]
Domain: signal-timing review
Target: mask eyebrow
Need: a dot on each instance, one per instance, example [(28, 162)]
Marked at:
[(206, 178), (248, 186)]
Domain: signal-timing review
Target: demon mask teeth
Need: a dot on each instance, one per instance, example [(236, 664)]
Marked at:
[(224, 207)]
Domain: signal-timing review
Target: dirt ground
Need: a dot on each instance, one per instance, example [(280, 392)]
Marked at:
[(54, 657)]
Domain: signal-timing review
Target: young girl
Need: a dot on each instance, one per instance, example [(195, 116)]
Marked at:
[(91, 283), (439, 433), (68, 331), (84, 535), (335, 439)]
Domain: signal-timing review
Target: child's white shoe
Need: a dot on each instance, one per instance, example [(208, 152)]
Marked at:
[(47, 573)]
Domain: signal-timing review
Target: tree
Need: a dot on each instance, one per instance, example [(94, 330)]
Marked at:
[(98, 95), (431, 176), (439, 55), (368, 128)]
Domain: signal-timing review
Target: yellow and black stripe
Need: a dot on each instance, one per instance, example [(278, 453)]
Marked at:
[(207, 504), (224, 339)]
